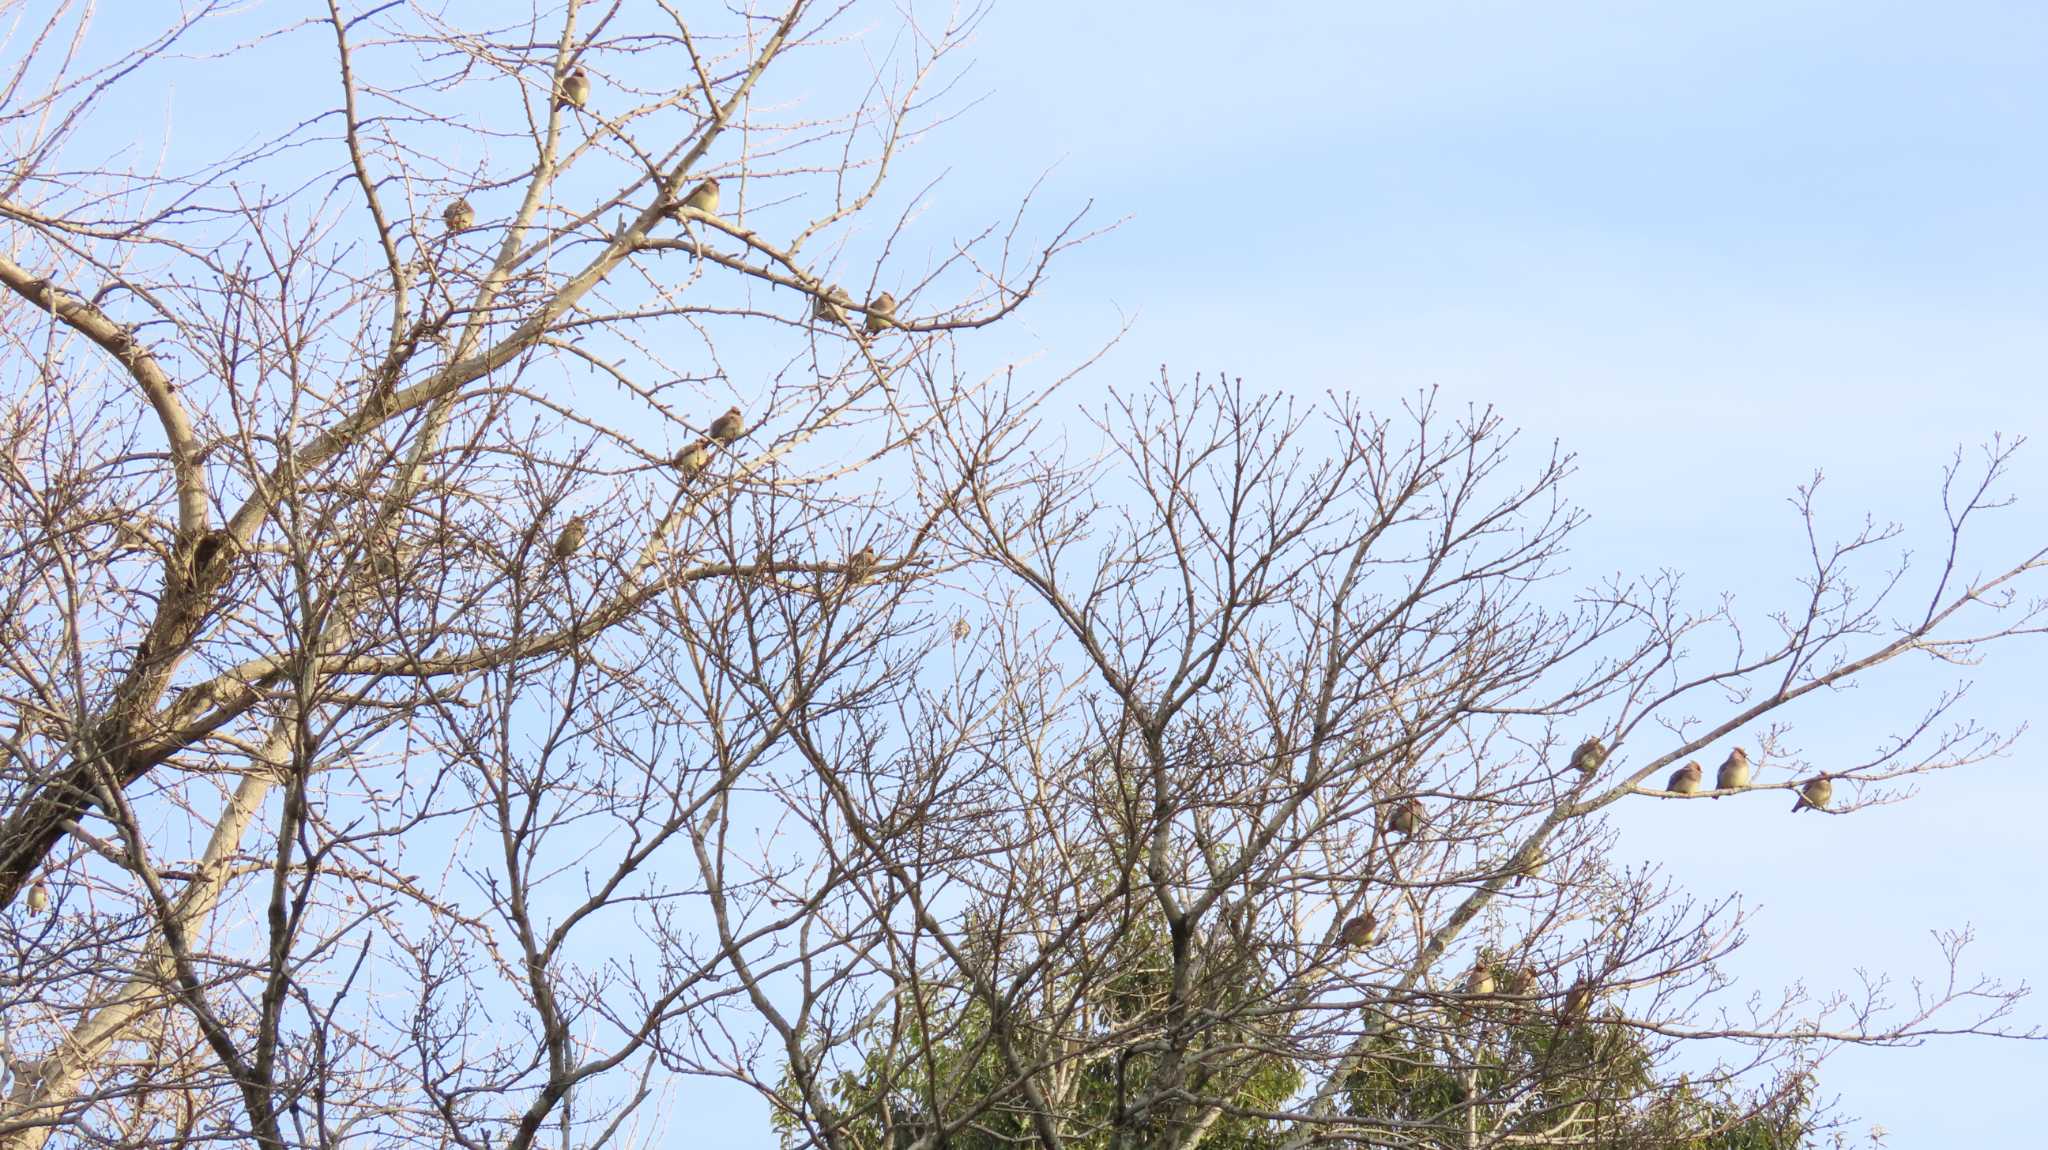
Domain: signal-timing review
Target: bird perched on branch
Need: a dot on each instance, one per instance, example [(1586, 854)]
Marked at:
[(1360, 930), (1531, 866), (962, 629), (459, 216), (574, 90), (1686, 779), (1479, 980), (1406, 818), (1589, 755), (1577, 1002), (729, 426), (571, 539), (692, 457), (38, 898), (1734, 774), (832, 304), (1517, 980), (1814, 794), (881, 312), (703, 198), (859, 566)]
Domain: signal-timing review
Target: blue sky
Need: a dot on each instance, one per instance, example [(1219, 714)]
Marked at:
[(1707, 248)]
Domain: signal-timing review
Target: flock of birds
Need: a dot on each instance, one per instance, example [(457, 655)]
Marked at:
[(1408, 816), (692, 459), (831, 304)]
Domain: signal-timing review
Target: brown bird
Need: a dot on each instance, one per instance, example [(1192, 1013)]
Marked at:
[(1734, 774), (571, 538), (1479, 980), (859, 566), (1517, 980), (1360, 931), (1589, 755), (574, 89), (729, 426), (1577, 1001), (692, 458), (38, 897), (1531, 866), (703, 198), (962, 629), (1685, 780), (1406, 818), (1814, 794), (881, 312), (832, 304), (459, 216)]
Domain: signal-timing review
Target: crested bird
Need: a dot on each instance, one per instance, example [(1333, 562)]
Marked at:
[(1360, 931), (859, 566), (459, 216), (1406, 818), (1734, 774), (1577, 1001), (881, 312), (692, 458), (962, 629), (1814, 794), (574, 89), (1589, 755), (729, 426), (704, 197), (38, 897), (831, 304), (1479, 980), (571, 538), (1685, 780)]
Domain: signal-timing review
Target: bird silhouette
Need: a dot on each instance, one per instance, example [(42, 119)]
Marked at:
[(1590, 755), (1685, 780), (459, 216), (571, 538), (881, 312), (1815, 794), (574, 90), (1734, 774)]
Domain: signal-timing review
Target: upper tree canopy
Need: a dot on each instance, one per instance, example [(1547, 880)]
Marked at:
[(505, 633)]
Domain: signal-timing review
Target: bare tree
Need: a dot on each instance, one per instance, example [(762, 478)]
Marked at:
[(519, 600), (1284, 813), (364, 490)]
